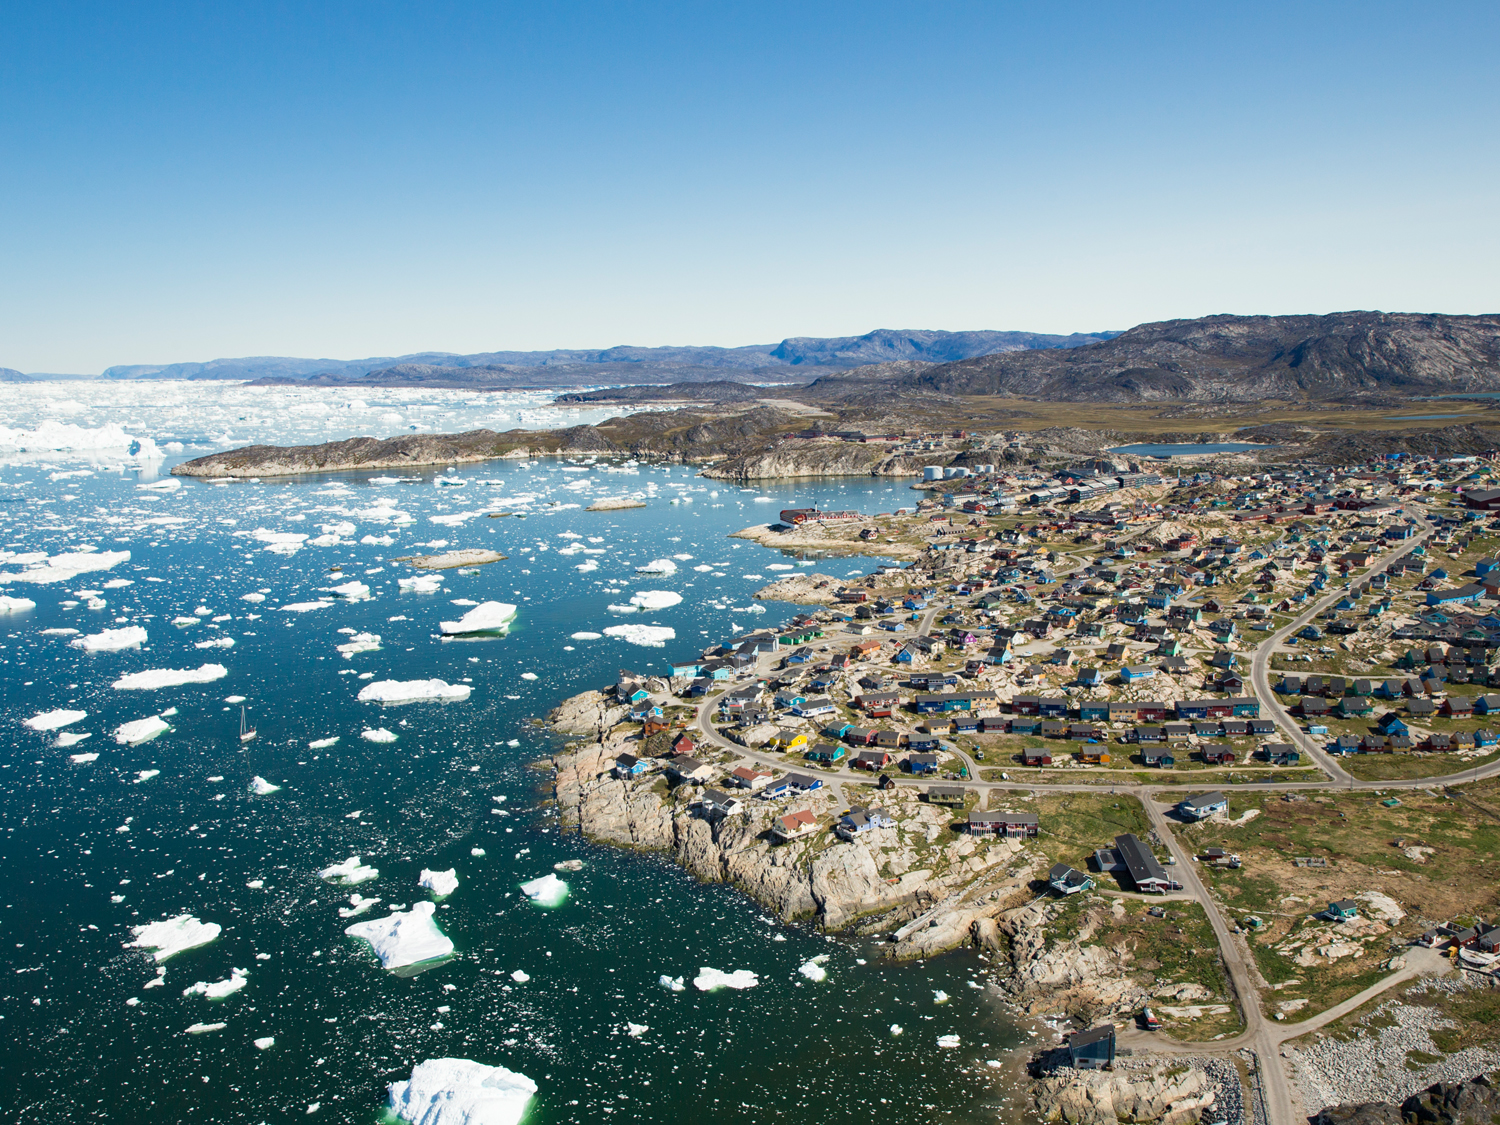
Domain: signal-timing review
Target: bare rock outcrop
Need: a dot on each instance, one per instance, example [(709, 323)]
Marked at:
[(589, 714), (1164, 1094)]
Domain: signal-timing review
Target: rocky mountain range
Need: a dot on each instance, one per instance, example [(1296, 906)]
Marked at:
[(1344, 356), (561, 367)]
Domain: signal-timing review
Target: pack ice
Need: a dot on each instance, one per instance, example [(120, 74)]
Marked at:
[(404, 938), (174, 935), (413, 691), (486, 617), (111, 640), (461, 1092)]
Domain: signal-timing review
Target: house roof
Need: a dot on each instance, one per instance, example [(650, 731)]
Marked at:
[(1204, 800), (1142, 866)]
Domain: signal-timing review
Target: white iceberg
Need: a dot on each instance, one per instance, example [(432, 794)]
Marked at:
[(83, 759), (355, 591), (203, 1028), (52, 720), (520, 976), (358, 904), (440, 883), (170, 677), (655, 599), (360, 642), (487, 617), (265, 1043), (585, 636), (261, 787), (671, 984), (813, 970), (413, 691), (404, 938), (710, 980), (636, 1030), (658, 566), (142, 730), (648, 636), (173, 936), (948, 1040), (9, 604), (461, 1092), (72, 738), (548, 891), (323, 743), (421, 584), (304, 607), (64, 568), (379, 734), (111, 640), (349, 873), (217, 990)]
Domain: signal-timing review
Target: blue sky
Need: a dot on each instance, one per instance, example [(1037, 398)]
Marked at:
[(186, 182)]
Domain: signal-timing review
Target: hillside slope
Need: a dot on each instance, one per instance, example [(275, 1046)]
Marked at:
[(1338, 357)]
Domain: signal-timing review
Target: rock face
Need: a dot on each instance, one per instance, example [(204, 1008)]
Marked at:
[(1071, 977), (1164, 1093), (1475, 1102), (404, 452), (591, 714), (830, 458), (800, 589)]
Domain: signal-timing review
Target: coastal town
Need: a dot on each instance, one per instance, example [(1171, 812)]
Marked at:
[(1200, 756)]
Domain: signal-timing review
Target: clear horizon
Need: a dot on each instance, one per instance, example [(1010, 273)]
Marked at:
[(189, 184)]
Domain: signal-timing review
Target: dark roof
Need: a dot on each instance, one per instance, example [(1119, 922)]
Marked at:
[(1203, 800), (1139, 862), (1100, 1034)]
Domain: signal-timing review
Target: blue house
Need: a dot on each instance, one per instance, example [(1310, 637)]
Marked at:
[(686, 668), (1458, 595), (1131, 673), (1093, 710), (1203, 805)]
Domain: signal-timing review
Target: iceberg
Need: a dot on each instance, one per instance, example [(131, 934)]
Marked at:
[(711, 980), (586, 636), (355, 591), (413, 691), (655, 599), (9, 604), (71, 738), (487, 617), (358, 904), (170, 677), (217, 990), (658, 566), (349, 873), (648, 636), (461, 1092), (421, 584), (173, 936), (948, 1040), (261, 787), (265, 1043), (303, 607), (813, 970), (520, 976), (111, 640), (404, 938), (64, 568), (53, 437), (380, 734), (671, 984), (360, 642), (52, 720), (142, 730), (201, 1028), (83, 759), (325, 743), (548, 891), (440, 883)]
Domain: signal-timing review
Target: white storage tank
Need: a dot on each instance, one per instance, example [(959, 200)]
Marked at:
[(932, 472)]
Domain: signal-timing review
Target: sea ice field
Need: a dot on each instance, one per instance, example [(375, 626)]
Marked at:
[(178, 902)]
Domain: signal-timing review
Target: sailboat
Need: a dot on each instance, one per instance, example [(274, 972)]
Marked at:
[(247, 732)]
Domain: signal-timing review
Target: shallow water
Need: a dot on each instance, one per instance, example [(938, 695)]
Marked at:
[(191, 838)]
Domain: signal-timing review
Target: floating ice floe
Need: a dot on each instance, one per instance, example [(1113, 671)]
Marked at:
[(64, 568), (277, 542), (261, 787), (440, 883), (205, 1028), (52, 720), (172, 936), (9, 604), (146, 775), (265, 1043), (897, 1029), (647, 636), (170, 677), (306, 607), (350, 873), (548, 891), (413, 691), (671, 984), (586, 636), (355, 591), (325, 743), (71, 738), (461, 1092), (487, 617), (360, 642), (379, 734), (404, 938), (421, 584), (520, 976), (141, 730), (711, 980), (217, 642), (636, 1030), (813, 970), (217, 990), (658, 566), (568, 865), (358, 905), (939, 996), (252, 597), (83, 759), (948, 1040), (171, 484), (111, 640)]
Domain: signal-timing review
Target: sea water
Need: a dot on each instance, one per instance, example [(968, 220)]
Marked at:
[(175, 826)]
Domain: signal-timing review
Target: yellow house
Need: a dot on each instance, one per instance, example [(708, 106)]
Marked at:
[(790, 740)]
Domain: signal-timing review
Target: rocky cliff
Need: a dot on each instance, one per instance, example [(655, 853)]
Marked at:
[(1475, 1102), (1162, 1093), (404, 452)]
